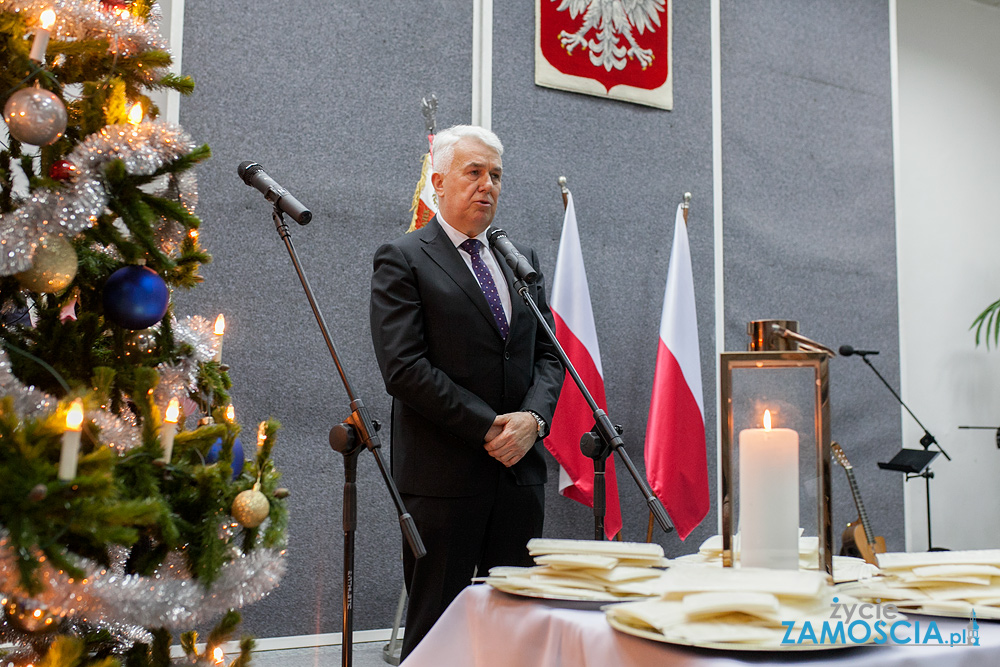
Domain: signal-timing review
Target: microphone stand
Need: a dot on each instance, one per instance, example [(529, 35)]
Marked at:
[(608, 433), (925, 441), (357, 431)]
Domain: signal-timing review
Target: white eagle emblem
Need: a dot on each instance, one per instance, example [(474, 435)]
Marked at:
[(611, 18)]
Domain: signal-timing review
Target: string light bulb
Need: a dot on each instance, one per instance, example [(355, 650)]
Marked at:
[(74, 417), (173, 411), (230, 413), (135, 114), (219, 655)]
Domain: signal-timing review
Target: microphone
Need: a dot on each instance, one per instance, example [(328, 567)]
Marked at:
[(515, 260), (254, 175), (847, 350)]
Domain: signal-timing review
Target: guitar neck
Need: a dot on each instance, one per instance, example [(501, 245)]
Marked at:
[(860, 505)]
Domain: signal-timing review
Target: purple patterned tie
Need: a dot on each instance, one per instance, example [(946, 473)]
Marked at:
[(486, 283)]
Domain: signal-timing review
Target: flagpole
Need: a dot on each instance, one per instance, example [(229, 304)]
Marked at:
[(565, 191), (591, 446), (685, 209)]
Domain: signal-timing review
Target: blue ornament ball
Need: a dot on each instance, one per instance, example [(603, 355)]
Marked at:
[(216, 451), (135, 297)]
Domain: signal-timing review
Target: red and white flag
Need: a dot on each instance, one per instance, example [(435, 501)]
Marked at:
[(424, 206), (577, 334), (676, 460)]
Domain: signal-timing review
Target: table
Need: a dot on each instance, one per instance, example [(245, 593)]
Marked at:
[(487, 628)]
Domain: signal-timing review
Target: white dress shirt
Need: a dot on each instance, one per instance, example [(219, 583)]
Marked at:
[(457, 237)]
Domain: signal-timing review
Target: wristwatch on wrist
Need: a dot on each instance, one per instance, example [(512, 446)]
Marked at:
[(543, 428)]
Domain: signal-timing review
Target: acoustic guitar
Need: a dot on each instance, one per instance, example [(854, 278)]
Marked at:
[(858, 539)]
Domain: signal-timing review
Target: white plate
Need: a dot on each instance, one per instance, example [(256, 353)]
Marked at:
[(597, 597), (721, 646)]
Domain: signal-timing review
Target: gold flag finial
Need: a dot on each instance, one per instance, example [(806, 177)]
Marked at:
[(565, 191)]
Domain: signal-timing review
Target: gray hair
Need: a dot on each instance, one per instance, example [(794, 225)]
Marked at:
[(445, 140)]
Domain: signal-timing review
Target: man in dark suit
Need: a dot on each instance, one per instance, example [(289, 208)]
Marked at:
[(473, 379)]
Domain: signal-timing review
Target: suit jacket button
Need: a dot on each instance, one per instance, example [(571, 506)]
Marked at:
[(506, 355)]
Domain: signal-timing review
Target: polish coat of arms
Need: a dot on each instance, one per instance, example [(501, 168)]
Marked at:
[(610, 48)]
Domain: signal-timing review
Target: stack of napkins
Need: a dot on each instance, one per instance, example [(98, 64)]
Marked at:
[(741, 608), (845, 568), (585, 570), (950, 583)]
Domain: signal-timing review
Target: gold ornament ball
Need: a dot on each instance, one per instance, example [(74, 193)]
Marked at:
[(250, 508), (53, 267)]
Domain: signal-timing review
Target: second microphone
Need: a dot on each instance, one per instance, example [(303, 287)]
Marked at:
[(521, 267)]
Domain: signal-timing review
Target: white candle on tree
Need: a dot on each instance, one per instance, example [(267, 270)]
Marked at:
[(70, 453), (769, 497), (169, 429), (42, 33), (220, 329)]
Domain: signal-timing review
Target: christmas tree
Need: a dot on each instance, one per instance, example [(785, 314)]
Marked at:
[(128, 515)]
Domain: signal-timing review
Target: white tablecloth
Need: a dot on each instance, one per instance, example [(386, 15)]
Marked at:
[(486, 628)]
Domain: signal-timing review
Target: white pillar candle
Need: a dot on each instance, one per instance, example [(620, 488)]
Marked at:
[(769, 497), (169, 429), (70, 453), (41, 41), (220, 329)]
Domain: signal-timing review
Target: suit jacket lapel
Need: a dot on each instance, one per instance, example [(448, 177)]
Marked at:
[(443, 252)]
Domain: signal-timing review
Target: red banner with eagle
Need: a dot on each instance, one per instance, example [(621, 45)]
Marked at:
[(618, 49)]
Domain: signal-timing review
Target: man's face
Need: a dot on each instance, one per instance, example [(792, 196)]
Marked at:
[(468, 192)]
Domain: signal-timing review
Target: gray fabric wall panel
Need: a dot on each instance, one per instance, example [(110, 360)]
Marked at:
[(809, 229), (628, 167), (326, 97)]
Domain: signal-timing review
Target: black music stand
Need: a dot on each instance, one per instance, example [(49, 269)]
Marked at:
[(914, 462)]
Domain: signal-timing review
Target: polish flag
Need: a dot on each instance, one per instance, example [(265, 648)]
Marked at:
[(577, 334), (675, 454), (424, 206)]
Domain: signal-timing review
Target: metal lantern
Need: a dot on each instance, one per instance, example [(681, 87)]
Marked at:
[(784, 378)]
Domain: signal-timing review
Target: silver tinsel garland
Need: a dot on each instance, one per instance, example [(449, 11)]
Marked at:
[(170, 598), (181, 378), (199, 333), (87, 19), (143, 148), (27, 400)]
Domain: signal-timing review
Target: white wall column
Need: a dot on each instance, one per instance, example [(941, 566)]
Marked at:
[(172, 28), (482, 63)]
